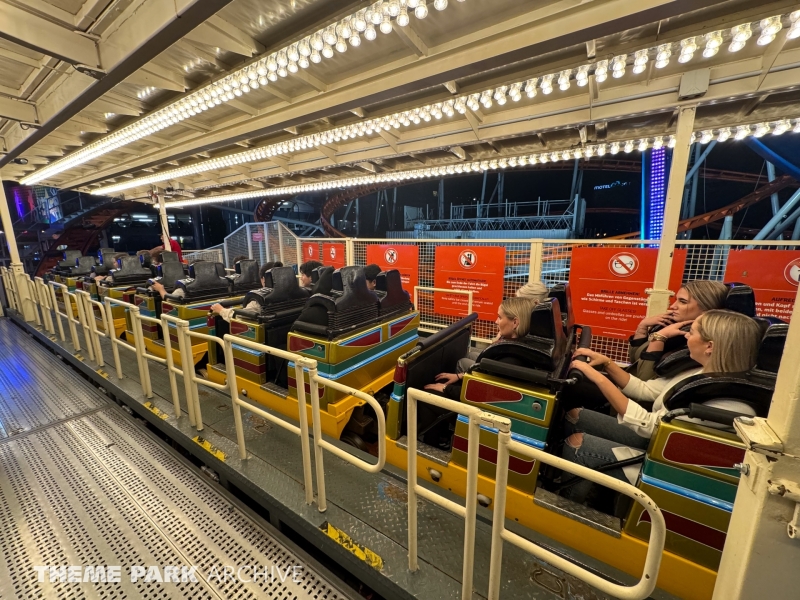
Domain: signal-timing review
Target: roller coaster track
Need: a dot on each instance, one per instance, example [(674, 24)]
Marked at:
[(83, 234), (344, 197)]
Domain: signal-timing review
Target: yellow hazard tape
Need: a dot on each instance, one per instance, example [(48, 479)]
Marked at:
[(346, 542), (156, 411), (102, 373), (210, 448)]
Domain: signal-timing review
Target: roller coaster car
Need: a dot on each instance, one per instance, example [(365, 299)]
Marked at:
[(62, 268), (280, 302), (206, 285), (120, 284), (355, 336), (518, 379), (168, 273), (689, 467)]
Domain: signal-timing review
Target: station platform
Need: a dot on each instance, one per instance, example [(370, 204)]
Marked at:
[(363, 532)]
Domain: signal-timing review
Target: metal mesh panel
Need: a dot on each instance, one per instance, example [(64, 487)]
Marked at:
[(236, 245), (215, 254), (287, 241)]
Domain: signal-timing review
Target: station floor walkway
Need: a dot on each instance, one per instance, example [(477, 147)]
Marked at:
[(82, 484)]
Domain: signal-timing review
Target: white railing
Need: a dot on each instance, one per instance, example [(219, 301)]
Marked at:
[(320, 444), (67, 314), (45, 301), (138, 342), (655, 549), (89, 304), (300, 363), (468, 511)]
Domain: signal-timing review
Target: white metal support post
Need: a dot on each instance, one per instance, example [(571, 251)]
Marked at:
[(659, 295), (535, 264), (16, 269), (164, 220), (762, 549)]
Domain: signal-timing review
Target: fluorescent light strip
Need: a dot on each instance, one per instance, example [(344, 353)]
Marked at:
[(261, 72), (475, 166), (338, 36), (777, 127)]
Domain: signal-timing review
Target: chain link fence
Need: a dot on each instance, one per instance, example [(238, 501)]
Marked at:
[(263, 242)]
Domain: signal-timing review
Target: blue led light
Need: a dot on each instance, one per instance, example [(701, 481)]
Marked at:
[(658, 193)]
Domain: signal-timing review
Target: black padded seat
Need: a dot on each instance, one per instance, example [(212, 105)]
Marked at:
[(70, 258), (703, 387), (393, 298), (356, 307), (206, 280), (741, 298), (247, 277), (83, 266), (769, 353), (282, 291), (170, 271), (129, 272), (543, 349), (559, 292), (105, 258)]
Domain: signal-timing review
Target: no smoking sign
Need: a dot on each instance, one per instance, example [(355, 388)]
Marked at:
[(623, 264)]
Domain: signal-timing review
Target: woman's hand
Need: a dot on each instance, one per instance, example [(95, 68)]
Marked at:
[(436, 387), (589, 372), (674, 330), (216, 308), (648, 322), (446, 378), (595, 358)]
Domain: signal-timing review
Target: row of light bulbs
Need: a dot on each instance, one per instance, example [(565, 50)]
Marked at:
[(271, 67), (313, 48), (722, 134)]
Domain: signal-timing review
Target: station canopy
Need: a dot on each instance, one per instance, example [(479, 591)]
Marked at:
[(208, 100)]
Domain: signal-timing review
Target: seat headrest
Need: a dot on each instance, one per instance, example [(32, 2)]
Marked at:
[(391, 283), (324, 283), (130, 270), (281, 286), (315, 274), (83, 266), (170, 272), (702, 387), (356, 292), (169, 257), (105, 255), (336, 281), (205, 278), (248, 278), (559, 292), (741, 298), (546, 320), (70, 259), (146, 260), (771, 349)]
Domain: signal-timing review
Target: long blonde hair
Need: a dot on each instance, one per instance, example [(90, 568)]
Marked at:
[(736, 339), (708, 294), (520, 309)]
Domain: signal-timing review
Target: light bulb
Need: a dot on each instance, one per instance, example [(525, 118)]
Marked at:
[(601, 71), (706, 136), (370, 32), (386, 25), (563, 79), (741, 33), (327, 51), (329, 35), (412, 3), (292, 54), (601, 150), (315, 57), (272, 76), (341, 45), (618, 65), (514, 93), (628, 146), (781, 126), (421, 11), (724, 134), (360, 22), (771, 26), (761, 129), (345, 30), (736, 46), (614, 148), (796, 128), (263, 80), (794, 31), (742, 131), (402, 18), (282, 71), (582, 75), (377, 13), (393, 8), (530, 88), (546, 84), (658, 143), (439, 4), (355, 40), (588, 152)]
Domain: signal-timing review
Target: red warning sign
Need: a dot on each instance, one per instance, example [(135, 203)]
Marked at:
[(773, 275), (333, 255), (608, 287), (310, 251), (404, 258), (480, 269)]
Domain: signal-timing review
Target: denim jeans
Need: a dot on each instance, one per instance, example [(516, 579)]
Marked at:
[(601, 433)]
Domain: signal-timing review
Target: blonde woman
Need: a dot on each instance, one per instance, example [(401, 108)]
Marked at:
[(513, 322), (721, 341), (662, 333), (534, 290)]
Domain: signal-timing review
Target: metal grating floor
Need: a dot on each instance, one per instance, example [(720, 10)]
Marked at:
[(82, 484)]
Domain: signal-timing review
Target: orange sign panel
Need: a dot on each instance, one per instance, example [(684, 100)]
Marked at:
[(310, 251), (479, 269), (608, 285), (404, 258), (333, 255), (773, 275)]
